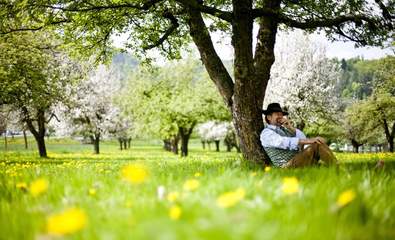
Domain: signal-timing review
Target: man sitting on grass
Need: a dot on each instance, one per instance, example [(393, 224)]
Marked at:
[(283, 143)]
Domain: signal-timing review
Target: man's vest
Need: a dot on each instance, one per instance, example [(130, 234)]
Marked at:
[(280, 156)]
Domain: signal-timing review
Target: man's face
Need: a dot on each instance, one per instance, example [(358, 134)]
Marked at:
[(276, 118)]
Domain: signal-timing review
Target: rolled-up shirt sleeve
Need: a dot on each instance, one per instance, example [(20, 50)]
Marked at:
[(270, 138), (300, 134)]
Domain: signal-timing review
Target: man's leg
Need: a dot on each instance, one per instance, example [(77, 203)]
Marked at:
[(326, 154), (307, 157)]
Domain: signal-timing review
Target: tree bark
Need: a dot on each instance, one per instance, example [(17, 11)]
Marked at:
[(25, 138), (167, 145), (185, 133), (216, 145), (5, 140), (39, 134), (41, 146), (120, 143), (389, 135), (174, 144), (96, 143)]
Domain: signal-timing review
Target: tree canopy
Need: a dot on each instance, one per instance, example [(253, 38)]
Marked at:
[(35, 75)]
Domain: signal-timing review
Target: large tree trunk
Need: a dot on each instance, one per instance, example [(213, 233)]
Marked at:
[(39, 134), (245, 96), (252, 73)]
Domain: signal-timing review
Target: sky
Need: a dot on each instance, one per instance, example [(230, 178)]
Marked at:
[(336, 49)]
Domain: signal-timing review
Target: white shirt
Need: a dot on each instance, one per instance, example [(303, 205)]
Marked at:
[(270, 138)]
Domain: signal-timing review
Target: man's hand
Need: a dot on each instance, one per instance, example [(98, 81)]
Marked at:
[(285, 122)]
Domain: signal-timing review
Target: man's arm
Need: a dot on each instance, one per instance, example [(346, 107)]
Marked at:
[(318, 140), (299, 134), (269, 138)]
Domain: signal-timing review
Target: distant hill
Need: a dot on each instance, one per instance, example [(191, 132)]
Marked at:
[(123, 64)]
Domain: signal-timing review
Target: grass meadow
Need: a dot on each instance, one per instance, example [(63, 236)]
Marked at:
[(147, 193)]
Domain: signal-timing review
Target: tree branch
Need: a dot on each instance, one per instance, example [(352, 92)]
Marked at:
[(264, 50), (264, 12), (209, 56), (329, 22), (35, 28), (384, 10), (50, 118), (341, 33), (169, 31), (197, 6), (145, 6)]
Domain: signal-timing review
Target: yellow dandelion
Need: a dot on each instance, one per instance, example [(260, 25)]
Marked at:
[(230, 199), (22, 186), (191, 185), (198, 174), (67, 222), (134, 173), (92, 191), (38, 187), (175, 212), (267, 169), (128, 204), (173, 196), (345, 198), (290, 185)]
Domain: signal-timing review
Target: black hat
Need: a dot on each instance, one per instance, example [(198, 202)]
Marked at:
[(274, 107)]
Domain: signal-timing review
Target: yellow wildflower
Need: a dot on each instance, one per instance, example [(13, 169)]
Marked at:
[(267, 169), (128, 204), (67, 222), (345, 198), (134, 173), (92, 191), (22, 186), (191, 184), (198, 174), (175, 212), (38, 187), (290, 185), (230, 199), (173, 196)]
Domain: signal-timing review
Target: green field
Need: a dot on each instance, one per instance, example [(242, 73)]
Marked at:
[(257, 205)]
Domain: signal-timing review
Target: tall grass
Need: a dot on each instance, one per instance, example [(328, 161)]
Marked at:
[(120, 210)]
